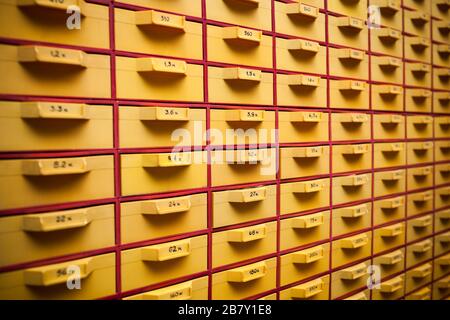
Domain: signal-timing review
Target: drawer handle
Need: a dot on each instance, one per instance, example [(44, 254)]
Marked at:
[(182, 291), (423, 146), (444, 238), (444, 74), (62, 5), (308, 152), (422, 197), (351, 55), (40, 54), (422, 120), (308, 290), (358, 297), (423, 294), (354, 242), (444, 261), (445, 146), (354, 273), (389, 35), (161, 66), (58, 273), (420, 94), (303, 81), (443, 97), (420, 68), (392, 176), (308, 256), (392, 231), (308, 187), (444, 122), (241, 74), (247, 273), (391, 258), (354, 212), (421, 272), (302, 10), (445, 169), (354, 118), (245, 115), (445, 215), (420, 43), (423, 172), (390, 7), (309, 117), (392, 285), (355, 181), (152, 18), (308, 221), (53, 167), (241, 36), (389, 63), (166, 251), (393, 203), (53, 221), (247, 195), (166, 160), (301, 45), (420, 18), (444, 284), (351, 85), (166, 206), (356, 149), (387, 90), (350, 24), (252, 3), (53, 110), (443, 49), (164, 114), (249, 234), (422, 247), (443, 27), (246, 157)]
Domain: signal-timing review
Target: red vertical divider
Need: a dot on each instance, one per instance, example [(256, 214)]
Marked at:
[(434, 139), (372, 136), (406, 129)]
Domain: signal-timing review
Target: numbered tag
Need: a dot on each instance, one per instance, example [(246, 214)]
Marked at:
[(309, 255), (247, 234), (50, 167), (247, 273), (53, 110), (242, 34), (167, 251), (166, 206), (51, 55), (242, 74)]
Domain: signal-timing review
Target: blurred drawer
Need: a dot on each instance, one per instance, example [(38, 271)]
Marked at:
[(441, 266), (150, 127), (161, 262), (304, 161), (390, 13), (351, 219), (241, 244), (440, 9), (420, 202), (419, 252), (419, 228), (51, 234), (418, 48), (419, 127), (301, 55), (245, 281), (356, 9), (272, 296), (390, 263), (441, 78), (303, 264), (441, 102), (442, 198), (418, 100), (441, 288), (422, 294), (389, 237), (317, 289), (350, 126), (239, 85), (390, 154), (158, 33), (389, 182), (420, 177), (442, 127), (420, 152), (35, 182), (349, 279), (441, 55), (243, 205), (349, 94), (305, 195), (442, 220), (303, 230), (352, 157), (297, 90), (351, 188), (363, 295), (418, 22), (441, 243), (158, 79), (348, 31), (418, 277), (387, 69), (49, 71), (300, 126), (152, 219), (349, 63), (442, 151), (387, 41), (162, 172), (418, 74), (188, 7), (350, 249), (388, 126), (47, 21), (50, 282), (392, 289), (441, 31), (442, 173), (54, 126), (388, 210), (387, 97), (420, 5)]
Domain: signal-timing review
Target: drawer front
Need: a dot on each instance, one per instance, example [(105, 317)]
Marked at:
[(363, 295), (422, 294), (349, 63), (351, 219), (348, 31), (440, 289), (356, 9), (418, 22), (420, 202), (387, 41), (419, 127), (418, 74), (420, 152), (419, 5), (304, 161), (243, 205), (244, 282), (392, 154), (441, 78), (388, 126), (388, 210), (441, 266), (390, 263), (418, 100), (390, 13), (392, 289), (158, 33), (350, 126), (387, 69), (187, 7), (299, 126), (419, 252), (48, 71), (442, 151), (301, 55), (301, 90), (302, 230), (317, 289), (349, 94), (387, 97), (418, 48), (442, 197), (352, 157), (161, 262), (419, 228), (439, 9), (442, 173), (418, 277), (349, 279), (354, 248), (304, 195), (420, 177), (50, 282), (441, 102), (152, 219), (35, 182), (441, 31), (389, 182), (442, 220), (389, 237), (441, 244), (158, 79), (351, 188), (441, 55), (442, 127)]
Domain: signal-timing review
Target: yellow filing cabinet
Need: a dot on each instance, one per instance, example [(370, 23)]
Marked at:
[(419, 252), (441, 288), (442, 197), (349, 94), (389, 154), (417, 22), (442, 220), (419, 127), (302, 126), (440, 9), (187, 7), (387, 41), (418, 100), (418, 277), (51, 282), (349, 63), (420, 152), (243, 205), (441, 55), (419, 228), (441, 266), (390, 13), (390, 263), (392, 289), (349, 279), (418, 74), (161, 262), (351, 219), (350, 249), (441, 31), (422, 294), (420, 177), (295, 90), (388, 210), (348, 31), (350, 126), (441, 243), (39, 70), (158, 33), (351, 188), (442, 127), (441, 78), (317, 289), (387, 69), (244, 282), (301, 55), (389, 182), (388, 126), (441, 102), (387, 97), (304, 195), (356, 9), (162, 172), (442, 151), (442, 173), (420, 202), (352, 157), (35, 182), (152, 219), (301, 162), (388, 237), (418, 48)]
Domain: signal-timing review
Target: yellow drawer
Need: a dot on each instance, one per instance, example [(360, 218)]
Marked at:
[(196, 289), (418, 22), (244, 126), (350, 126), (440, 9), (50, 282), (35, 182), (348, 31), (441, 266), (161, 262), (349, 279), (418, 74), (249, 13), (387, 97), (240, 85), (390, 154), (418, 277), (363, 295), (418, 100), (387, 69), (392, 289), (352, 157), (243, 205), (388, 210), (388, 237), (442, 151), (300, 19), (152, 219), (50, 234), (305, 195), (304, 161), (389, 182), (356, 9), (441, 78), (349, 94), (442, 127), (296, 90), (188, 7), (301, 55), (442, 173), (244, 282), (158, 33), (390, 13), (303, 230), (419, 252), (441, 31), (387, 41), (303, 264), (441, 289), (317, 289), (441, 102), (442, 220), (420, 5), (418, 48), (158, 79), (49, 71), (349, 63), (419, 228), (390, 263), (420, 202), (54, 126), (420, 152), (354, 248), (419, 127), (243, 166), (420, 177), (441, 55), (351, 219), (300, 126), (241, 244), (162, 172), (237, 45), (47, 21), (388, 126), (441, 243), (422, 294), (442, 198), (351, 188)]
